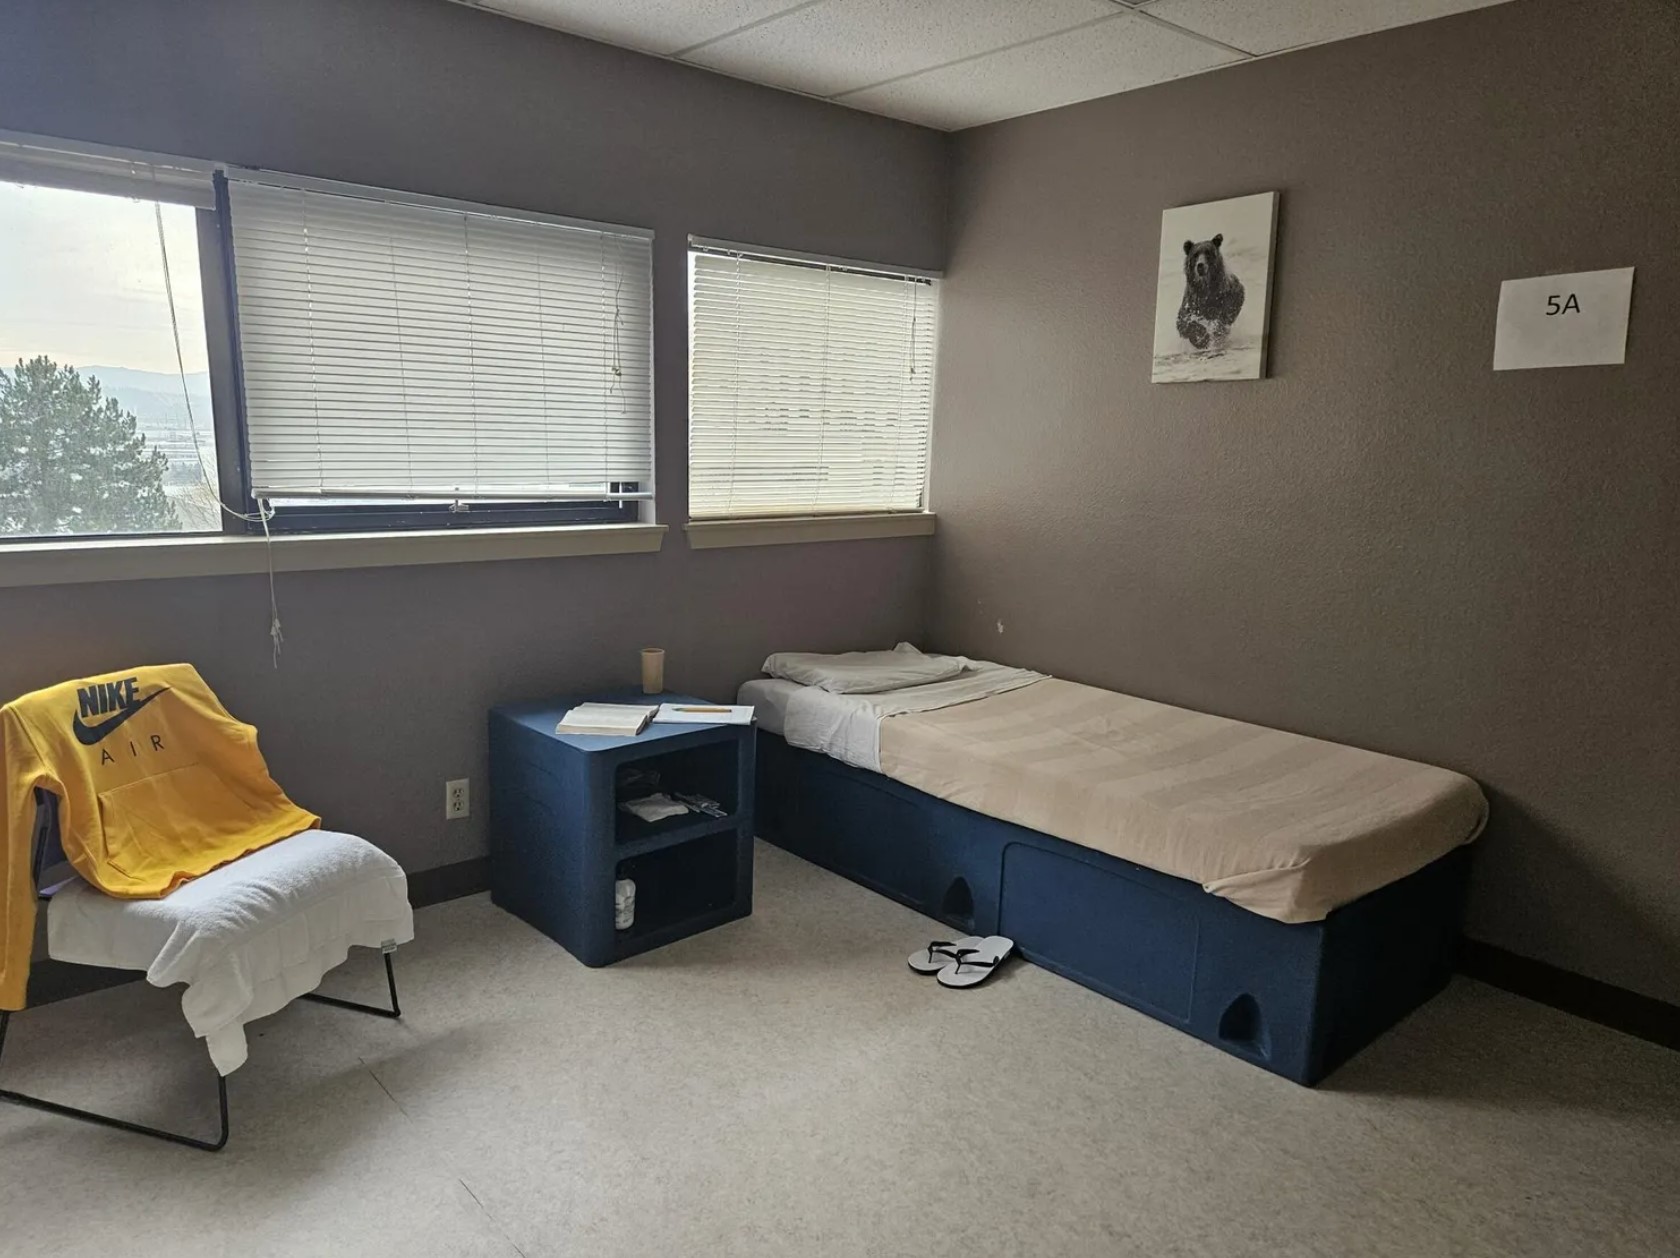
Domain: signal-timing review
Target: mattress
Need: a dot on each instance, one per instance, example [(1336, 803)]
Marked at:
[(1286, 826), (769, 697)]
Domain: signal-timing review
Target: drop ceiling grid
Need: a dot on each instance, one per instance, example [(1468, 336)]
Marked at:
[(962, 63), (662, 27), (1263, 27), (840, 46), (1112, 56)]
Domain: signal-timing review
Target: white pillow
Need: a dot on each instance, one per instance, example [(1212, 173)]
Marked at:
[(865, 672)]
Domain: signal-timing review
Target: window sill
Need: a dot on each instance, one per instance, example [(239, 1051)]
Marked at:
[(788, 530), (152, 558)]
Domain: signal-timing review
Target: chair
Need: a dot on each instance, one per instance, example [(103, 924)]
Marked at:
[(47, 853)]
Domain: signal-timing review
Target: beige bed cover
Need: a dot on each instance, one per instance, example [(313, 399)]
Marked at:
[(1286, 826)]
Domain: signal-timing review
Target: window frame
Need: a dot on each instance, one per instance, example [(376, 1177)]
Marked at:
[(740, 529), (72, 176), (296, 517), (241, 513)]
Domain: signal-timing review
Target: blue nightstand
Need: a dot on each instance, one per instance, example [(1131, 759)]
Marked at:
[(558, 841)]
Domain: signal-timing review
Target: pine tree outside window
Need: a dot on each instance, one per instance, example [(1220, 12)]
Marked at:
[(105, 414)]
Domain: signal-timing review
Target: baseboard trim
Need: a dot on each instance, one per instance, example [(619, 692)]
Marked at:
[(1616, 1007), (1634, 1014), (449, 882)]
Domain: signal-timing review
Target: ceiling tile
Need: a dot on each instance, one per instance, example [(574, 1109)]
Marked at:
[(1262, 26), (1113, 56), (660, 26), (847, 44)]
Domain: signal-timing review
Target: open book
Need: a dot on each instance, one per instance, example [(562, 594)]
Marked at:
[(622, 720)]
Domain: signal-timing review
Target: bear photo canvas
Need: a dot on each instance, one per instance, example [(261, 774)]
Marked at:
[(1211, 302)]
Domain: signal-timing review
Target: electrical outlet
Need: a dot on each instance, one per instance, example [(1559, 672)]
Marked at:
[(456, 800)]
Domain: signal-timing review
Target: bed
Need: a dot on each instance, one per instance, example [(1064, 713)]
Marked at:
[(1283, 898)]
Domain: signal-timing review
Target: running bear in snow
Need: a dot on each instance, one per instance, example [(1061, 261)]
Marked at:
[(1213, 297)]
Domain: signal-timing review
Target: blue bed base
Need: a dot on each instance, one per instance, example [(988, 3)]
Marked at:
[(1298, 1000)]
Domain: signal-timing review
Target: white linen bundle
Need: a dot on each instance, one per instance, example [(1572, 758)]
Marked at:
[(865, 672)]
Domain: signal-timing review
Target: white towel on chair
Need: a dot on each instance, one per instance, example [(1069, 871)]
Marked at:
[(247, 938)]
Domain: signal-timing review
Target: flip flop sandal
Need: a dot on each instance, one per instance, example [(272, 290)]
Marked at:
[(976, 962), (941, 953)]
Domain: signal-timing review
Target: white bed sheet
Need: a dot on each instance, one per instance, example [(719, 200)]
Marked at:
[(769, 697), (848, 727)]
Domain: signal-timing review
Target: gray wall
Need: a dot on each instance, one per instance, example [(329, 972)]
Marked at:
[(382, 692), (1384, 543)]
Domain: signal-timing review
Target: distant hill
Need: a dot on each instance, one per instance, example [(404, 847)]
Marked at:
[(155, 397)]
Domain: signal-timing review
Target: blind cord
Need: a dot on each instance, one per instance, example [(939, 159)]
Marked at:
[(617, 322), (265, 509), (275, 636)]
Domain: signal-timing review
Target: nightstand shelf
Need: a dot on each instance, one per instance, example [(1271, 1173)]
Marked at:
[(679, 885), (639, 837), (558, 841)]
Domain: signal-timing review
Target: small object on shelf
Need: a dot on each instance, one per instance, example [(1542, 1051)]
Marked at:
[(624, 904), (621, 720), (653, 808), (653, 670), (635, 780), (701, 804), (704, 714)]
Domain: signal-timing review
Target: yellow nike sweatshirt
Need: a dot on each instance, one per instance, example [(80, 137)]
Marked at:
[(156, 782)]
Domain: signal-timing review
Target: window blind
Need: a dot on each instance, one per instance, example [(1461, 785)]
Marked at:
[(414, 348), (811, 387)]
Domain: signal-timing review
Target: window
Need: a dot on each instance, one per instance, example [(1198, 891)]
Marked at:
[(401, 354), (361, 359), (810, 386), (105, 410)]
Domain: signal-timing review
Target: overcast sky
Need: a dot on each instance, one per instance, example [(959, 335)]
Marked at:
[(81, 281)]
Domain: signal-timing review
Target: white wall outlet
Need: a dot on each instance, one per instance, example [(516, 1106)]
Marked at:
[(456, 800)]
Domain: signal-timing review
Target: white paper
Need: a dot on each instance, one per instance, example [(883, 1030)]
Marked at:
[(704, 714), (1575, 320)]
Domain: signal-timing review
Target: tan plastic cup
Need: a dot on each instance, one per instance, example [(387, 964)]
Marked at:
[(653, 670)]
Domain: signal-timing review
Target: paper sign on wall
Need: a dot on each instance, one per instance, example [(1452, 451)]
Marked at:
[(1578, 320)]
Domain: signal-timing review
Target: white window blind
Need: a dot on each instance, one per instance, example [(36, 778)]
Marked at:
[(811, 387), (398, 347)]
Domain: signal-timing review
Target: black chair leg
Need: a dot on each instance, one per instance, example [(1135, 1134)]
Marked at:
[(395, 1011), (105, 1120), (192, 1142)]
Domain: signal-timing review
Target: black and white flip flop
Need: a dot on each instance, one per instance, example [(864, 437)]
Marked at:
[(941, 953), (976, 960)]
